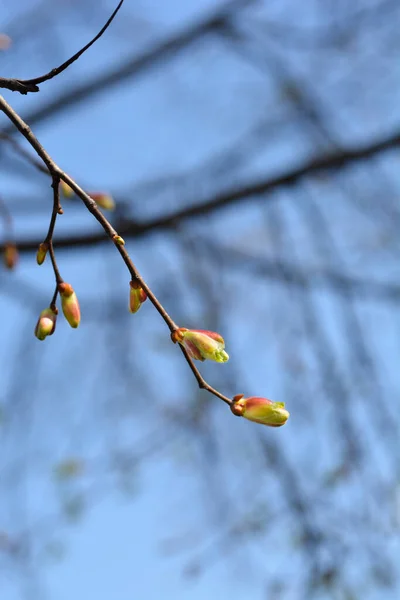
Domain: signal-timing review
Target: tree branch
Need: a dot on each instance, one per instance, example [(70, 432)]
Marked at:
[(304, 277), (132, 228), (24, 86), (136, 65), (57, 174)]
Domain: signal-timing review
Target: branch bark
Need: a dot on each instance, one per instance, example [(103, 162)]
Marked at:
[(24, 86)]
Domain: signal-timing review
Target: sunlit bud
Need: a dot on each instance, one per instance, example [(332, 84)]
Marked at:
[(66, 190), (60, 210), (69, 304), (41, 253), (137, 296), (200, 344), (10, 256), (260, 410), (46, 323), (103, 200), (119, 240)]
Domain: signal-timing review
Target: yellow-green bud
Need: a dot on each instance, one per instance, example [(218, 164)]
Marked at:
[(46, 323), (260, 410), (137, 296), (201, 344), (69, 304), (117, 239), (41, 253)]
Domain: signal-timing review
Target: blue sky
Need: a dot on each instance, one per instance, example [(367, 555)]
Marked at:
[(116, 384)]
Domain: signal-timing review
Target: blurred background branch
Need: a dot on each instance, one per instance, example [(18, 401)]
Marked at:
[(251, 148)]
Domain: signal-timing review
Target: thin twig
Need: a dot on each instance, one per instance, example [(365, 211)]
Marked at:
[(139, 63), (49, 238), (57, 174), (201, 381), (15, 85), (24, 86), (332, 161), (54, 299)]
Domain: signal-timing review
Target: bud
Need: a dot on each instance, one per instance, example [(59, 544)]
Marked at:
[(69, 304), (103, 200), (46, 323), (117, 239), (260, 410), (137, 296), (201, 344), (41, 253), (66, 190), (10, 256)]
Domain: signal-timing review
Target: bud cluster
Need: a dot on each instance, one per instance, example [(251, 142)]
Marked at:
[(198, 344)]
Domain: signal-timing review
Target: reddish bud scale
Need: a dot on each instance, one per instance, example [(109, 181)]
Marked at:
[(210, 334), (193, 350), (69, 304), (65, 289), (10, 256)]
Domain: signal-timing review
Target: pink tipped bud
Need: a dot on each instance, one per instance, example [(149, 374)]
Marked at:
[(137, 296), (103, 200), (260, 410), (46, 323), (200, 344), (69, 304), (66, 190), (10, 256), (41, 253), (117, 239)]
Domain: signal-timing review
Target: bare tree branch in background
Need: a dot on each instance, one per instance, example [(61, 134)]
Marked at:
[(282, 232)]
